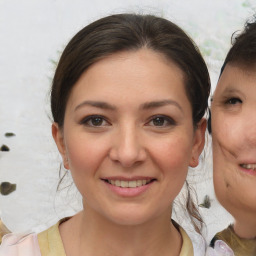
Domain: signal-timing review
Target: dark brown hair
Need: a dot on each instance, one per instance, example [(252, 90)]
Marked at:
[(243, 51), (131, 32)]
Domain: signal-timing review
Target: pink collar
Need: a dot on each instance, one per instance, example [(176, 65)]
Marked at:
[(20, 245)]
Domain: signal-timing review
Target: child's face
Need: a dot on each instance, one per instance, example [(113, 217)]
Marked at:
[(234, 141), (128, 122)]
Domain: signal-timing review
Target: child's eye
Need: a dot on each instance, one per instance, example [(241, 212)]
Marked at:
[(233, 101), (94, 121), (161, 121)]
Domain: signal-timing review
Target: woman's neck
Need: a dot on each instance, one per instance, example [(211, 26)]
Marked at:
[(87, 234)]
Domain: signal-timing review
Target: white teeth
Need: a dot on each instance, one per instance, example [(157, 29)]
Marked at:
[(132, 184), (249, 166), (139, 183), (124, 184), (128, 184)]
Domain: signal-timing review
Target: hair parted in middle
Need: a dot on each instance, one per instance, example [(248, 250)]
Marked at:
[(132, 32)]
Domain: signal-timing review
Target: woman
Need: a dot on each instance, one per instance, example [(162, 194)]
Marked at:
[(234, 142), (128, 100)]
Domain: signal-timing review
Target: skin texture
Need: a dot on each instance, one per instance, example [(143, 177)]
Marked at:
[(136, 137), (234, 143)]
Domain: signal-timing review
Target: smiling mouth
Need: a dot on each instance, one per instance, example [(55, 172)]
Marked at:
[(249, 166), (129, 184)]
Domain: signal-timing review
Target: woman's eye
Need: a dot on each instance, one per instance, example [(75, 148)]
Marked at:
[(233, 101), (161, 121), (94, 121)]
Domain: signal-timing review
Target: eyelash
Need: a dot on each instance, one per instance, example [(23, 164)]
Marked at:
[(232, 101), (164, 118), (87, 121), (92, 118)]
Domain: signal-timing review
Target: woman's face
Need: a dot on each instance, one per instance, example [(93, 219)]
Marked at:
[(128, 136), (234, 140)]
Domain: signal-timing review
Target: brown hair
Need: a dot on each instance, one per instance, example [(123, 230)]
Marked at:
[(243, 51), (131, 32)]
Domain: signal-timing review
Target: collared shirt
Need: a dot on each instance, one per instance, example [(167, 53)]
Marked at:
[(50, 242), (240, 246)]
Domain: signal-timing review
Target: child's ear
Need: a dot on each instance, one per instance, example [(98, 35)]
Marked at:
[(199, 140), (58, 137)]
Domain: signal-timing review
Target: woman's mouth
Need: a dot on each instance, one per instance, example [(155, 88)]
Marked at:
[(129, 184), (129, 187)]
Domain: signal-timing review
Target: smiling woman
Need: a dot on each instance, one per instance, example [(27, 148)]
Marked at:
[(128, 100), (139, 131)]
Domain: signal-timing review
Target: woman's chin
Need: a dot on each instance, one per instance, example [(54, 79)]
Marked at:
[(131, 217)]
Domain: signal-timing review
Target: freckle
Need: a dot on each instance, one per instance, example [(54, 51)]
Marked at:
[(227, 185)]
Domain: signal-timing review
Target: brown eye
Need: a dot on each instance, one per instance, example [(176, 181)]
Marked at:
[(158, 121), (94, 121), (161, 121), (233, 101)]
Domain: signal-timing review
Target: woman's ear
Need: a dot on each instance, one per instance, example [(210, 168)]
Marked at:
[(58, 137), (199, 140)]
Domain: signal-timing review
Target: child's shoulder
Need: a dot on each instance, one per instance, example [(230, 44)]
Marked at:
[(240, 246)]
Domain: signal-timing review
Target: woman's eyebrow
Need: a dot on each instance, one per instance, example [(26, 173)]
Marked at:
[(161, 103), (97, 104), (144, 106)]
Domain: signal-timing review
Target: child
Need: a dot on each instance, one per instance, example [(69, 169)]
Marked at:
[(233, 126)]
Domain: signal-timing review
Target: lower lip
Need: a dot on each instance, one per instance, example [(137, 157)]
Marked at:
[(248, 171), (129, 192)]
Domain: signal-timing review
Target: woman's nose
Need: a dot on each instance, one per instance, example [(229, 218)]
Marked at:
[(127, 147)]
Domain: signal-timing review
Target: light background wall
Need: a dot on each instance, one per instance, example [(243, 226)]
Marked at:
[(32, 35)]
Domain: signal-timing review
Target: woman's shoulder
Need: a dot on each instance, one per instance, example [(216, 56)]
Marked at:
[(19, 245), (50, 241), (45, 243)]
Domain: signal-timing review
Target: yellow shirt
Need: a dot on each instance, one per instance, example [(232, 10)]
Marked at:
[(3, 230), (240, 246), (50, 242)]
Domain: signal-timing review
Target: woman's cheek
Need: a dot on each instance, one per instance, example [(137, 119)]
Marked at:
[(171, 153), (84, 153)]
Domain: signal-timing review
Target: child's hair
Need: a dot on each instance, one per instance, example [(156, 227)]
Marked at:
[(243, 51)]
